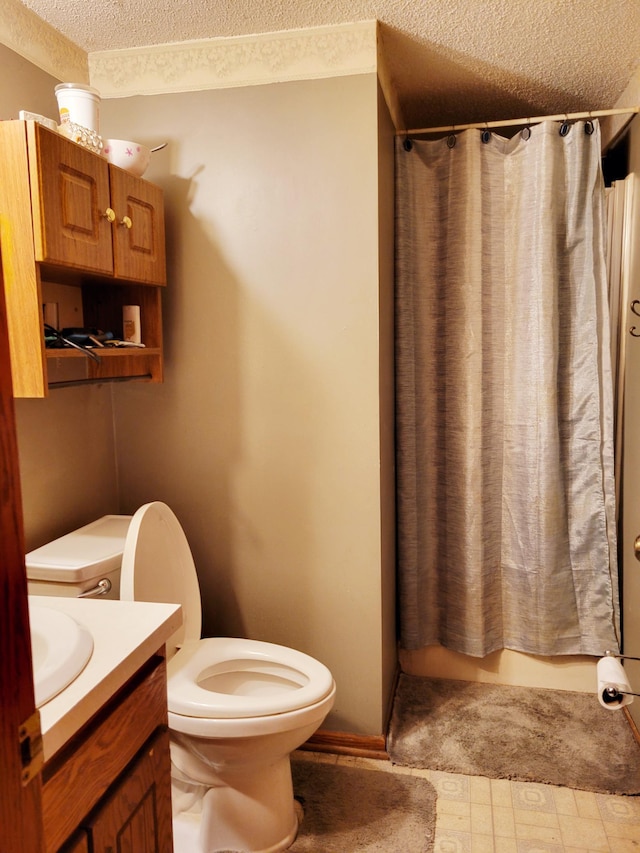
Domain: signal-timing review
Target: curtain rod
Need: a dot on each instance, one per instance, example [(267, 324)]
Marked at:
[(514, 122)]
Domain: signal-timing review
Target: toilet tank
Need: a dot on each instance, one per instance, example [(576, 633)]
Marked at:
[(83, 563)]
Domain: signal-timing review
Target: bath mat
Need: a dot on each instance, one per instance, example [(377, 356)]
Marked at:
[(353, 810), (531, 735)]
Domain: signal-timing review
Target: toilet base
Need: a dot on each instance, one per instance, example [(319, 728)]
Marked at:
[(253, 813), (231, 785), (186, 836)]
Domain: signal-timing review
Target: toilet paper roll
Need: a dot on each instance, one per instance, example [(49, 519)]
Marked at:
[(131, 323), (50, 314), (611, 675)]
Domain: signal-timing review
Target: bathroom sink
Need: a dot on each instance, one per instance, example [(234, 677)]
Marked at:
[(60, 648)]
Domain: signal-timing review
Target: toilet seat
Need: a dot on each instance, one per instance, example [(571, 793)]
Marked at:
[(224, 677), (157, 565), (220, 677)]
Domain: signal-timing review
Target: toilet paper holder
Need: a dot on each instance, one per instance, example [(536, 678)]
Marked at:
[(612, 693)]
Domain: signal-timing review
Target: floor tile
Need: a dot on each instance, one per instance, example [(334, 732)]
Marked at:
[(504, 825), (461, 808), (535, 818), (450, 786), (535, 832), (451, 822), (480, 790), (535, 846), (501, 792), (481, 819), (505, 845), (623, 845), (584, 832), (482, 843), (452, 842), (630, 831), (527, 795), (586, 803), (565, 801), (480, 815), (620, 809)]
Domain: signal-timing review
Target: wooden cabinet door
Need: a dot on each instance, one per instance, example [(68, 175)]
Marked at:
[(78, 844), (21, 828), (136, 816), (70, 203), (138, 230)]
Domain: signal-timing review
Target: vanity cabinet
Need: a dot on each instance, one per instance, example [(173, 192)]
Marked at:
[(78, 844), (109, 789), (129, 818), (86, 236)]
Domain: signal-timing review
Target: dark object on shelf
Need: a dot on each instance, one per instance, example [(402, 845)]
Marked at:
[(80, 339)]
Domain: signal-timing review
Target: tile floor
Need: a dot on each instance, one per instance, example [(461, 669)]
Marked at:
[(478, 815)]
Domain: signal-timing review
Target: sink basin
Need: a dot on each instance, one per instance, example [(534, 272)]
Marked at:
[(60, 649)]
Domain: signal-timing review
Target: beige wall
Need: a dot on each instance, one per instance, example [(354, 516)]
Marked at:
[(265, 437), (570, 672), (386, 227), (67, 459), (24, 87)]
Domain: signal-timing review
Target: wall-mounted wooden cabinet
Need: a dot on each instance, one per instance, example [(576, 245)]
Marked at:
[(83, 234)]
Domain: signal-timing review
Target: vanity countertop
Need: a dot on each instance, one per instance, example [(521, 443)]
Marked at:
[(125, 635)]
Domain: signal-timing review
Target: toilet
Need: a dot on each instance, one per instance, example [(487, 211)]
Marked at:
[(237, 708)]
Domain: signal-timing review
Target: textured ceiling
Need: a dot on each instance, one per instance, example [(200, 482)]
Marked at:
[(450, 61)]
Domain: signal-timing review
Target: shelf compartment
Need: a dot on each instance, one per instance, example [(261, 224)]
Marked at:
[(71, 367)]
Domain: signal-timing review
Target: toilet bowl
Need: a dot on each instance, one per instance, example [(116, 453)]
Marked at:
[(237, 707)]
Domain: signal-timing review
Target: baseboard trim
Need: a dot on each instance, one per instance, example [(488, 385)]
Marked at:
[(344, 743)]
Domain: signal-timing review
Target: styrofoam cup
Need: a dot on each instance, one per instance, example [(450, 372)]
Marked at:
[(79, 104)]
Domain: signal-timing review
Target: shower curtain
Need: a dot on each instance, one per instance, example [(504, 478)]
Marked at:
[(506, 499)]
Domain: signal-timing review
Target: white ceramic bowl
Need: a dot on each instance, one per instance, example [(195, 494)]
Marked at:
[(128, 155)]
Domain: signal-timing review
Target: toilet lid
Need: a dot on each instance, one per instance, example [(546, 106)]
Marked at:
[(230, 677), (157, 566)]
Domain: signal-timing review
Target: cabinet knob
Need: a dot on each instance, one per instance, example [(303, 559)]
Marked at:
[(126, 222), (110, 214)]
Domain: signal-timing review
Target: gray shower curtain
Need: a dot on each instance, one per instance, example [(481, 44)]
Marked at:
[(506, 500)]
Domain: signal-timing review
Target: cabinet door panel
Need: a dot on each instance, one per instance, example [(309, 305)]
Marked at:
[(70, 190), (138, 240), (78, 844), (76, 778), (136, 816)]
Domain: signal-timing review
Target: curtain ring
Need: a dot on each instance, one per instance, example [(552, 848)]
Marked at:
[(589, 126), (451, 140), (525, 133), (485, 136), (565, 127), (407, 144)]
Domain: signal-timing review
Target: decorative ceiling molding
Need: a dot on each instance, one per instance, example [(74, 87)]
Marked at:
[(237, 61), (28, 35)]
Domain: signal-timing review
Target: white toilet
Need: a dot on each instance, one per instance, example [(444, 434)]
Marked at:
[(237, 708)]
